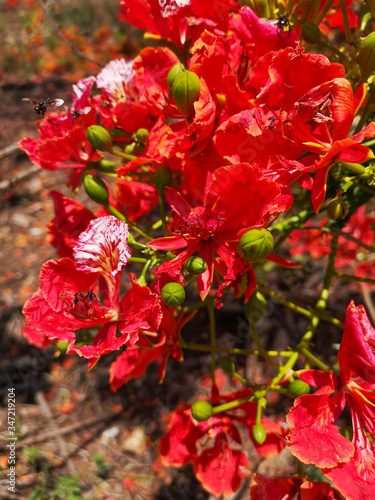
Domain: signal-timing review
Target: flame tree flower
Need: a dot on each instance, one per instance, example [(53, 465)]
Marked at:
[(67, 299), (314, 438)]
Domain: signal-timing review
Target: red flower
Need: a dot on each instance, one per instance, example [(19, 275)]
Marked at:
[(314, 438), (217, 467), (177, 20), (225, 214), (133, 362), (71, 219), (67, 299)]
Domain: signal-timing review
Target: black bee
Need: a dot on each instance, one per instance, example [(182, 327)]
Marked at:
[(282, 22), (84, 111), (86, 297), (41, 105)]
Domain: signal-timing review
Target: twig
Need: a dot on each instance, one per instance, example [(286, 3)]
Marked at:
[(7, 183), (44, 436), (46, 411), (8, 150), (61, 35)]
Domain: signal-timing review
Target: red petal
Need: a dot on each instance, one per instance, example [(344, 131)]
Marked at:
[(218, 469), (314, 438)]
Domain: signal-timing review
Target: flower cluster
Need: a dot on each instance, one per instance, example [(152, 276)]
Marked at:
[(204, 155)]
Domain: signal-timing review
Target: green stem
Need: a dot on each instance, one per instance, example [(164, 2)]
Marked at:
[(138, 259), (211, 316), (228, 350), (305, 312), (336, 51), (315, 318), (231, 404), (281, 300), (261, 349), (322, 14), (348, 35), (142, 278), (316, 9), (354, 278), (125, 156), (356, 168), (349, 237), (314, 359)]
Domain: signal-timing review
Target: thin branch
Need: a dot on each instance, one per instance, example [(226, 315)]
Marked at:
[(61, 35)]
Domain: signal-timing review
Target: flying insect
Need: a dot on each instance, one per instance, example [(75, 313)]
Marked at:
[(41, 105)]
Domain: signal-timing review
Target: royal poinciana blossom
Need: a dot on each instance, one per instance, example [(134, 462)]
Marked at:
[(63, 305), (228, 127), (349, 464), (211, 228)]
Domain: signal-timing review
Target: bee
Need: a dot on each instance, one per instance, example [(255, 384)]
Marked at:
[(77, 112), (282, 22), (41, 105), (86, 297)]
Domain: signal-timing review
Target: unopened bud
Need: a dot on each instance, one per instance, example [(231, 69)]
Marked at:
[(96, 189), (255, 245), (99, 138), (259, 433), (366, 56), (201, 411), (173, 294), (298, 388), (142, 135), (196, 265), (255, 308), (185, 92), (337, 208), (173, 73), (162, 177), (311, 33)]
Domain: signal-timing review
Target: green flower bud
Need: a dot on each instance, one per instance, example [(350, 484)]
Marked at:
[(99, 138), (311, 33), (366, 56), (162, 177), (96, 189), (298, 387), (142, 135), (185, 92), (129, 148), (337, 208), (255, 308), (173, 73), (173, 294), (201, 411), (227, 365), (196, 265), (259, 433), (255, 245)]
